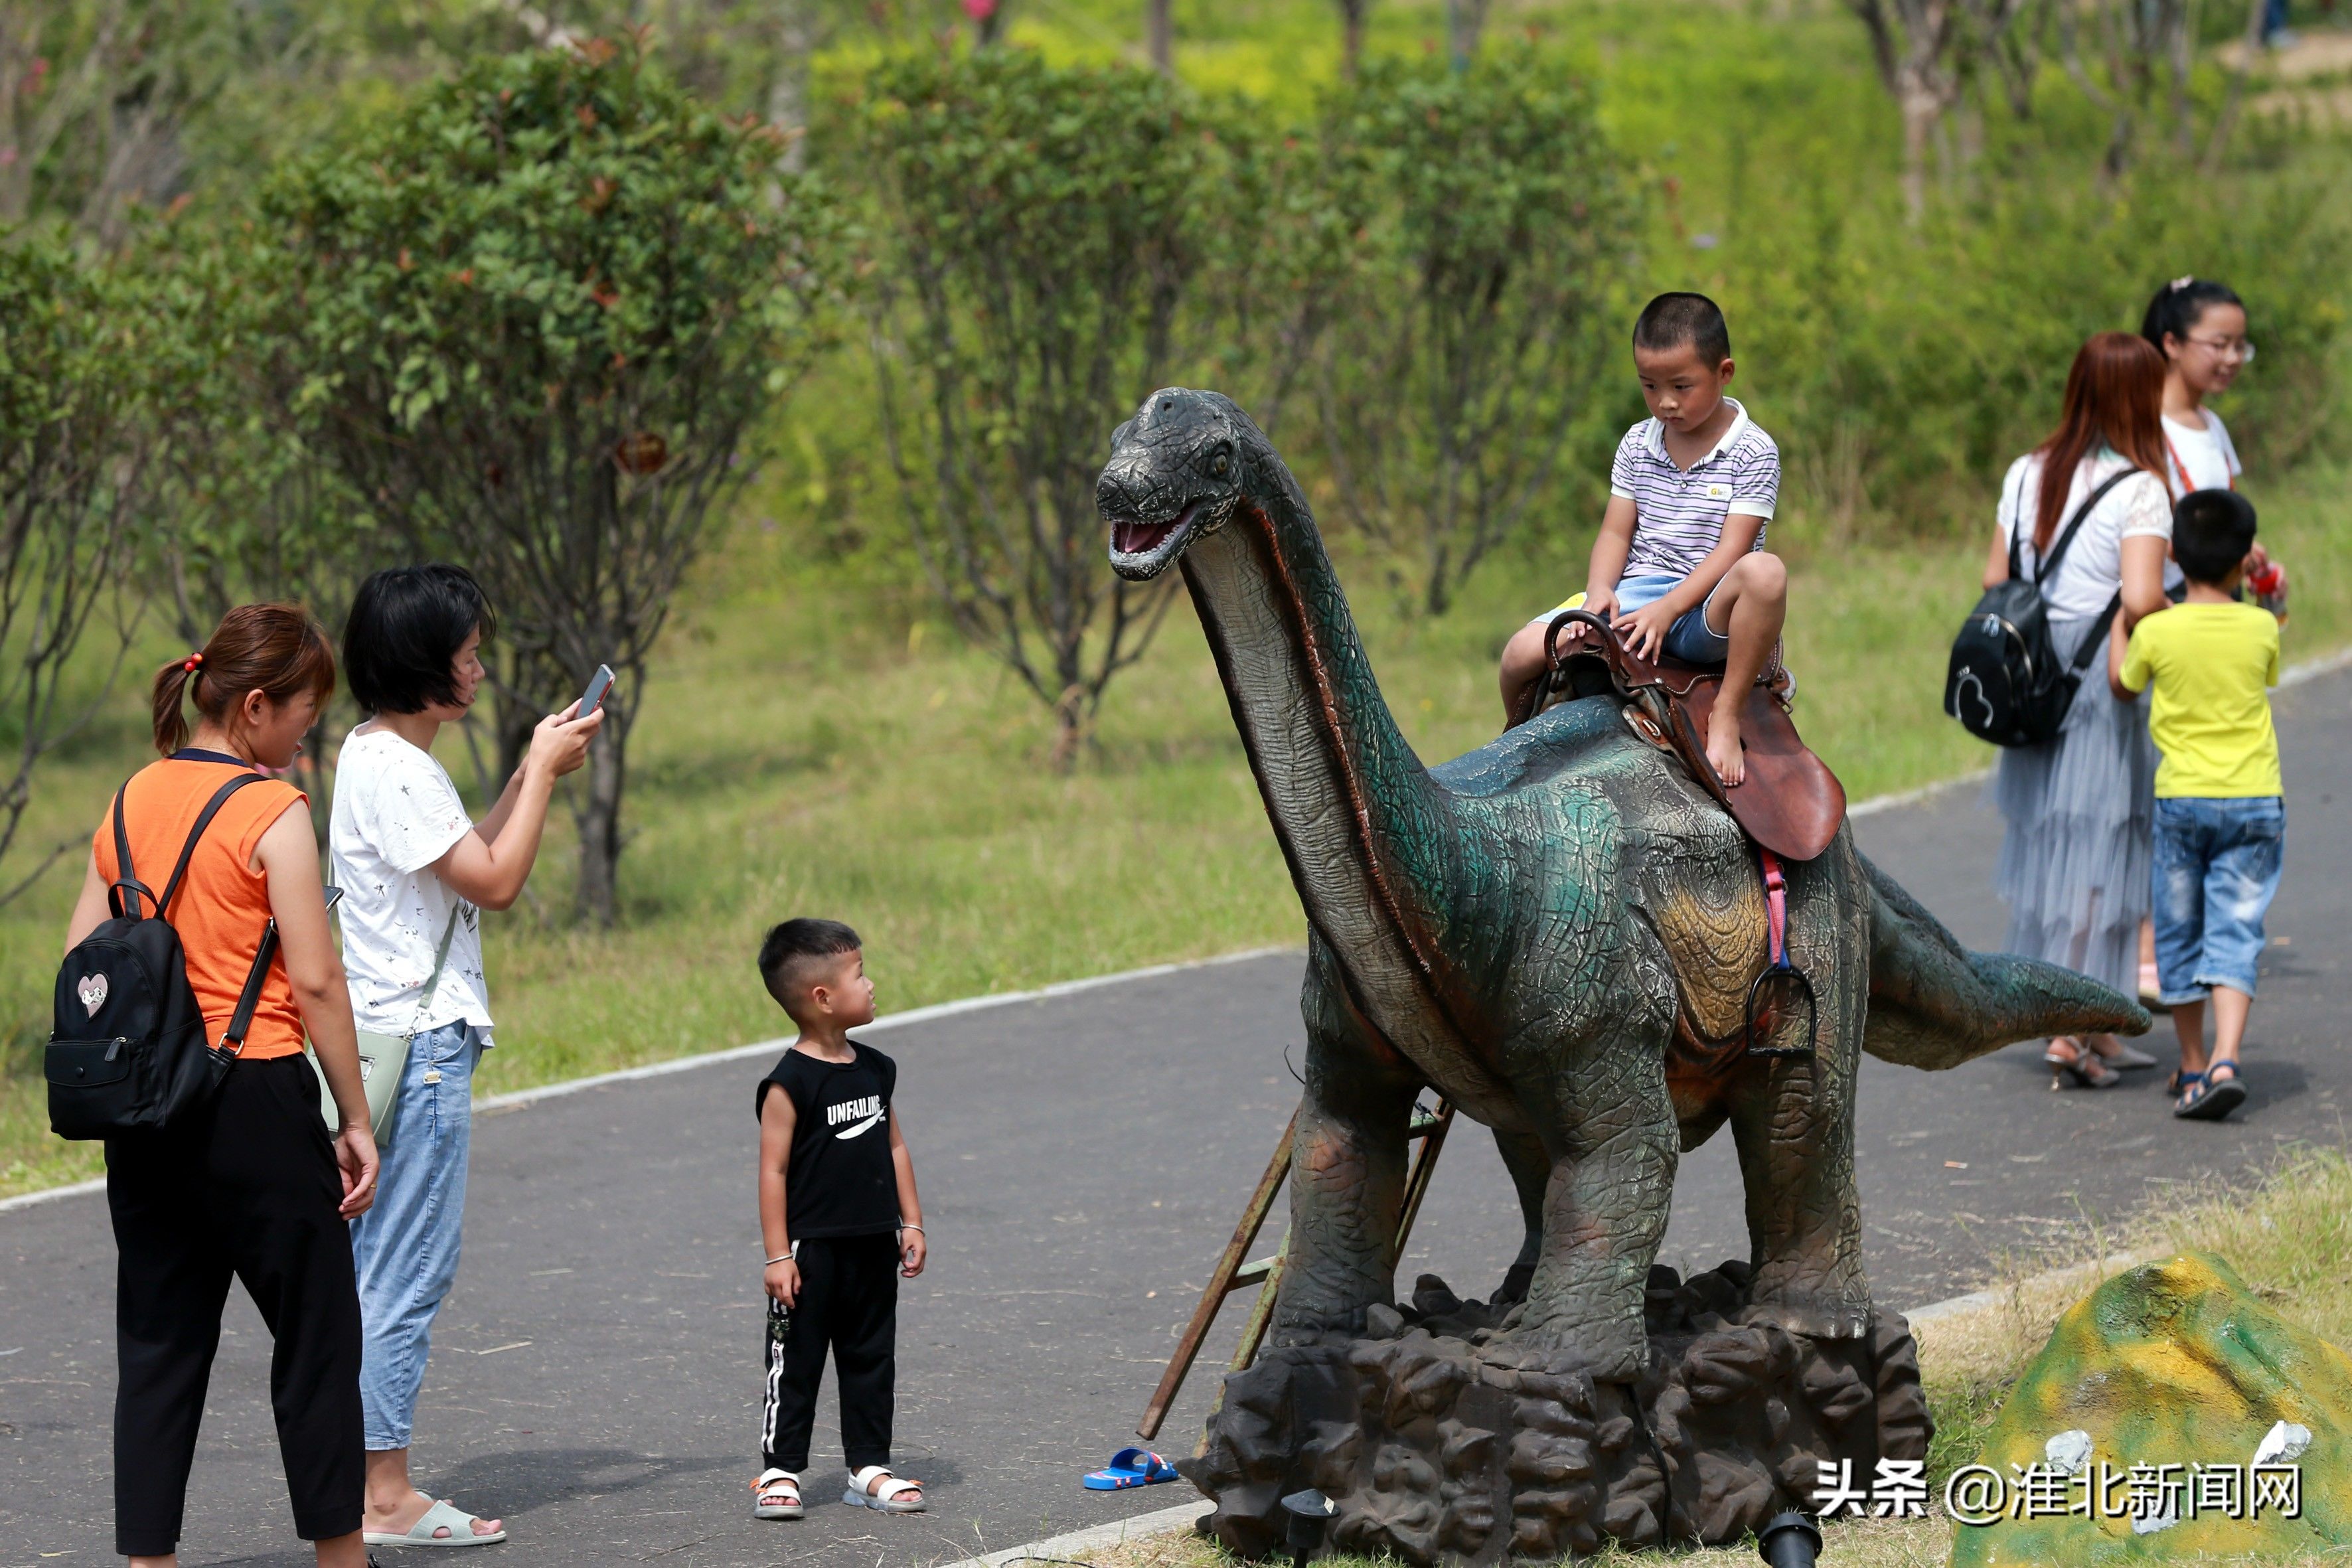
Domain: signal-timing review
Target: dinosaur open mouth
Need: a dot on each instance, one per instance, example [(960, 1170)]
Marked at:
[(1130, 539)]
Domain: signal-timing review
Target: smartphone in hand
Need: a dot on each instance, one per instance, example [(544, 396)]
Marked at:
[(593, 698)]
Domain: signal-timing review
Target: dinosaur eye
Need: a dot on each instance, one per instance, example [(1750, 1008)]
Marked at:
[(1221, 464)]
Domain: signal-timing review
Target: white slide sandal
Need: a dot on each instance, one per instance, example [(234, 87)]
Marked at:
[(776, 1494), (882, 1498), (441, 1515)]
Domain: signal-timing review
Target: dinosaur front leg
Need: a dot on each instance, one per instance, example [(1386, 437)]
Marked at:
[(1347, 1175), (1530, 1168), (1610, 1128)]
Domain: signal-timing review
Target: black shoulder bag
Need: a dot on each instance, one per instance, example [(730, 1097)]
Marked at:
[(127, 1050), (2005, 684)]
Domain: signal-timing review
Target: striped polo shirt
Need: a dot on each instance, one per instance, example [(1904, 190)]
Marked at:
[(1679, 515)]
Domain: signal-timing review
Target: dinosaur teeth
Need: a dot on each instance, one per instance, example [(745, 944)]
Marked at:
[(1140, 538)]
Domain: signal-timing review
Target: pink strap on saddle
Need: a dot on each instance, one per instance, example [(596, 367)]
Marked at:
[(1776, 906)]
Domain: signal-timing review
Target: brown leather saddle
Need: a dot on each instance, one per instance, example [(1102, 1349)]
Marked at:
[(1789, 803)]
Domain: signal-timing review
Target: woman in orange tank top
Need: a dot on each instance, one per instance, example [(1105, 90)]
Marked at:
[(253, 1186)]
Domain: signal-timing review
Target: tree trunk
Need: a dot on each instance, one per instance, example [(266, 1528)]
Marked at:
[(598, 816), (1073, 727), (512, 718), (1922, 111), (1159, 37), (1351, 36), (1466, 20), (788, 94)]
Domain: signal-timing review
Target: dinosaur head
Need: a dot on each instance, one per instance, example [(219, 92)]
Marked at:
[(1175, 473)]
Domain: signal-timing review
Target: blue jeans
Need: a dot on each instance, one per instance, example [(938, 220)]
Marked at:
[(1690, 638), (2217, 867), (406, 1247)]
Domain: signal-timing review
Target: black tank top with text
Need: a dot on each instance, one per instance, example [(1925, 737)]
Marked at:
[(839, 1180)]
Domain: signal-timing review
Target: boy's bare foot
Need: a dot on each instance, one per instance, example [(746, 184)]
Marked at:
[(1724, 751)]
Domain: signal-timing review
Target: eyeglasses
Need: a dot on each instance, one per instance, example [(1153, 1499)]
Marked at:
[(2238, 349)]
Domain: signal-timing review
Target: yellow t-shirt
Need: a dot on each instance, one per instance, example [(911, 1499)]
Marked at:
[(2212, 715)]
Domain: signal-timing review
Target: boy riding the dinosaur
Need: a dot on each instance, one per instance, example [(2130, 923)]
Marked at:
[(1680, 565)]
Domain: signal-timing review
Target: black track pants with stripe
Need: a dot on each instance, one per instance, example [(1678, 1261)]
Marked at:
[(849, 1304)]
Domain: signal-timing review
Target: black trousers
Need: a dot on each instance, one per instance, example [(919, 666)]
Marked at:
[(249, 1188), (848, 1301)]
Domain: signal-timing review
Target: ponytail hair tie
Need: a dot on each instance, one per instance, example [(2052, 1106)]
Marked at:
[(2181, 282), (193, 663)]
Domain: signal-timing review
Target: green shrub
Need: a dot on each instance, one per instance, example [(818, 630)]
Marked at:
[(1479, 303), (1042, 230), (535, 316)]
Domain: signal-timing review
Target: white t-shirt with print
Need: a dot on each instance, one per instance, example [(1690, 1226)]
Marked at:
[(2200, 458), (2092, 569), (396, 812)]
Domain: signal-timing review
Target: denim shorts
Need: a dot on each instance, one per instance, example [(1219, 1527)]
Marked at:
[(2217, 868), (1690, 638)]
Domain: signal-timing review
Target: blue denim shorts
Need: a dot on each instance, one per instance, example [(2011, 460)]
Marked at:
[(2217, 868), (1690, 638)]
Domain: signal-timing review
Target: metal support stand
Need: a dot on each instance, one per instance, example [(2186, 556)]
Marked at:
[(1231, 1273)]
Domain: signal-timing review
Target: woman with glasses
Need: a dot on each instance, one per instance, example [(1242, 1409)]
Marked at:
[(2199, 328)]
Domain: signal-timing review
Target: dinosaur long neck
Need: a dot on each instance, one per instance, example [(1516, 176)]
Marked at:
[(1365, 829)]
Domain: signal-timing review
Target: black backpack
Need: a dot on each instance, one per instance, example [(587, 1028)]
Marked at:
[(2006, 684), (127, 1049)]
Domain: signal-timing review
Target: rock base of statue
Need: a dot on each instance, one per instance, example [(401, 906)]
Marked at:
[(1441, 1443)]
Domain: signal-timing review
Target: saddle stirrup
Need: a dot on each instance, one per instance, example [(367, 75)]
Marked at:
[(1779, 975)]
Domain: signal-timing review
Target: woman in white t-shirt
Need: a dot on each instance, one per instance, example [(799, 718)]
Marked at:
[(2199, 328), (416, 870), (2075, 861)]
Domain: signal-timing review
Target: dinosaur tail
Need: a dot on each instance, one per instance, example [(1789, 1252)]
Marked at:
[(1935, 1004)]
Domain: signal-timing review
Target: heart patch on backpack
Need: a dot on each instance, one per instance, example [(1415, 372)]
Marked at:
[(92, 991)]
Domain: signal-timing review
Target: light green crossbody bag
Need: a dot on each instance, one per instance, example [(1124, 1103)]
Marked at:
[(384, 1059)]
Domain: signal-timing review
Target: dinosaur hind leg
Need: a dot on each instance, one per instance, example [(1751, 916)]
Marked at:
[(1792, 1120)]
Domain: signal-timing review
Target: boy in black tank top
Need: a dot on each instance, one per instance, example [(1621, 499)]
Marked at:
[(841, 1221)]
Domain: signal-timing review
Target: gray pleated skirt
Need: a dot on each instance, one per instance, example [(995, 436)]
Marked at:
[(2081, 811)]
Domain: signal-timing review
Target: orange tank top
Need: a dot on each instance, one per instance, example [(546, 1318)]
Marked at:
[(223, 903)]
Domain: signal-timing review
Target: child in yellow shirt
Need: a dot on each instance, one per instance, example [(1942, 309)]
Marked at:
[(2221, 815)]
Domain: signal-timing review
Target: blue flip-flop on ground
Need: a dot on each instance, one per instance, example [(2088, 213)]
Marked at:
[(1130, 1468)]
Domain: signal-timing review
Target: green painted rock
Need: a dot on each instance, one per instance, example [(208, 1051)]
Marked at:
[(2120, 1441)]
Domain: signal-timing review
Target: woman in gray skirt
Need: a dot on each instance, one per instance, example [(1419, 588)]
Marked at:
[(2075, 862)]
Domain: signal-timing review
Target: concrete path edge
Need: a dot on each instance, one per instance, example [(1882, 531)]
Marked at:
[(1062, 1548)]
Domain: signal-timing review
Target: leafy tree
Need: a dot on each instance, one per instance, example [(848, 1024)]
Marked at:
[(76, 462), (1928, 52), (1043, 227), (536, 313), (248, 508), (1494, 217)]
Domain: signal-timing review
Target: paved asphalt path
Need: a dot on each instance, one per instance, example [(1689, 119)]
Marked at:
[(1082, 1157)]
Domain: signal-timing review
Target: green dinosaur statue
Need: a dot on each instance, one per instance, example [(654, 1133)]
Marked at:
[(1557, 932)]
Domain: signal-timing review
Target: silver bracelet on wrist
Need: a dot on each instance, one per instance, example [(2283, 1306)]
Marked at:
[(904, 1226), (781, 1257)]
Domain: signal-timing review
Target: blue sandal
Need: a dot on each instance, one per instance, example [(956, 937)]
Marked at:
[(1130, 1468), (2215, 1097)]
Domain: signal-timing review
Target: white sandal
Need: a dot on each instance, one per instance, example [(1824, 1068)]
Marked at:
[(442, 1515), (882, 1498), (776, 1494)]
